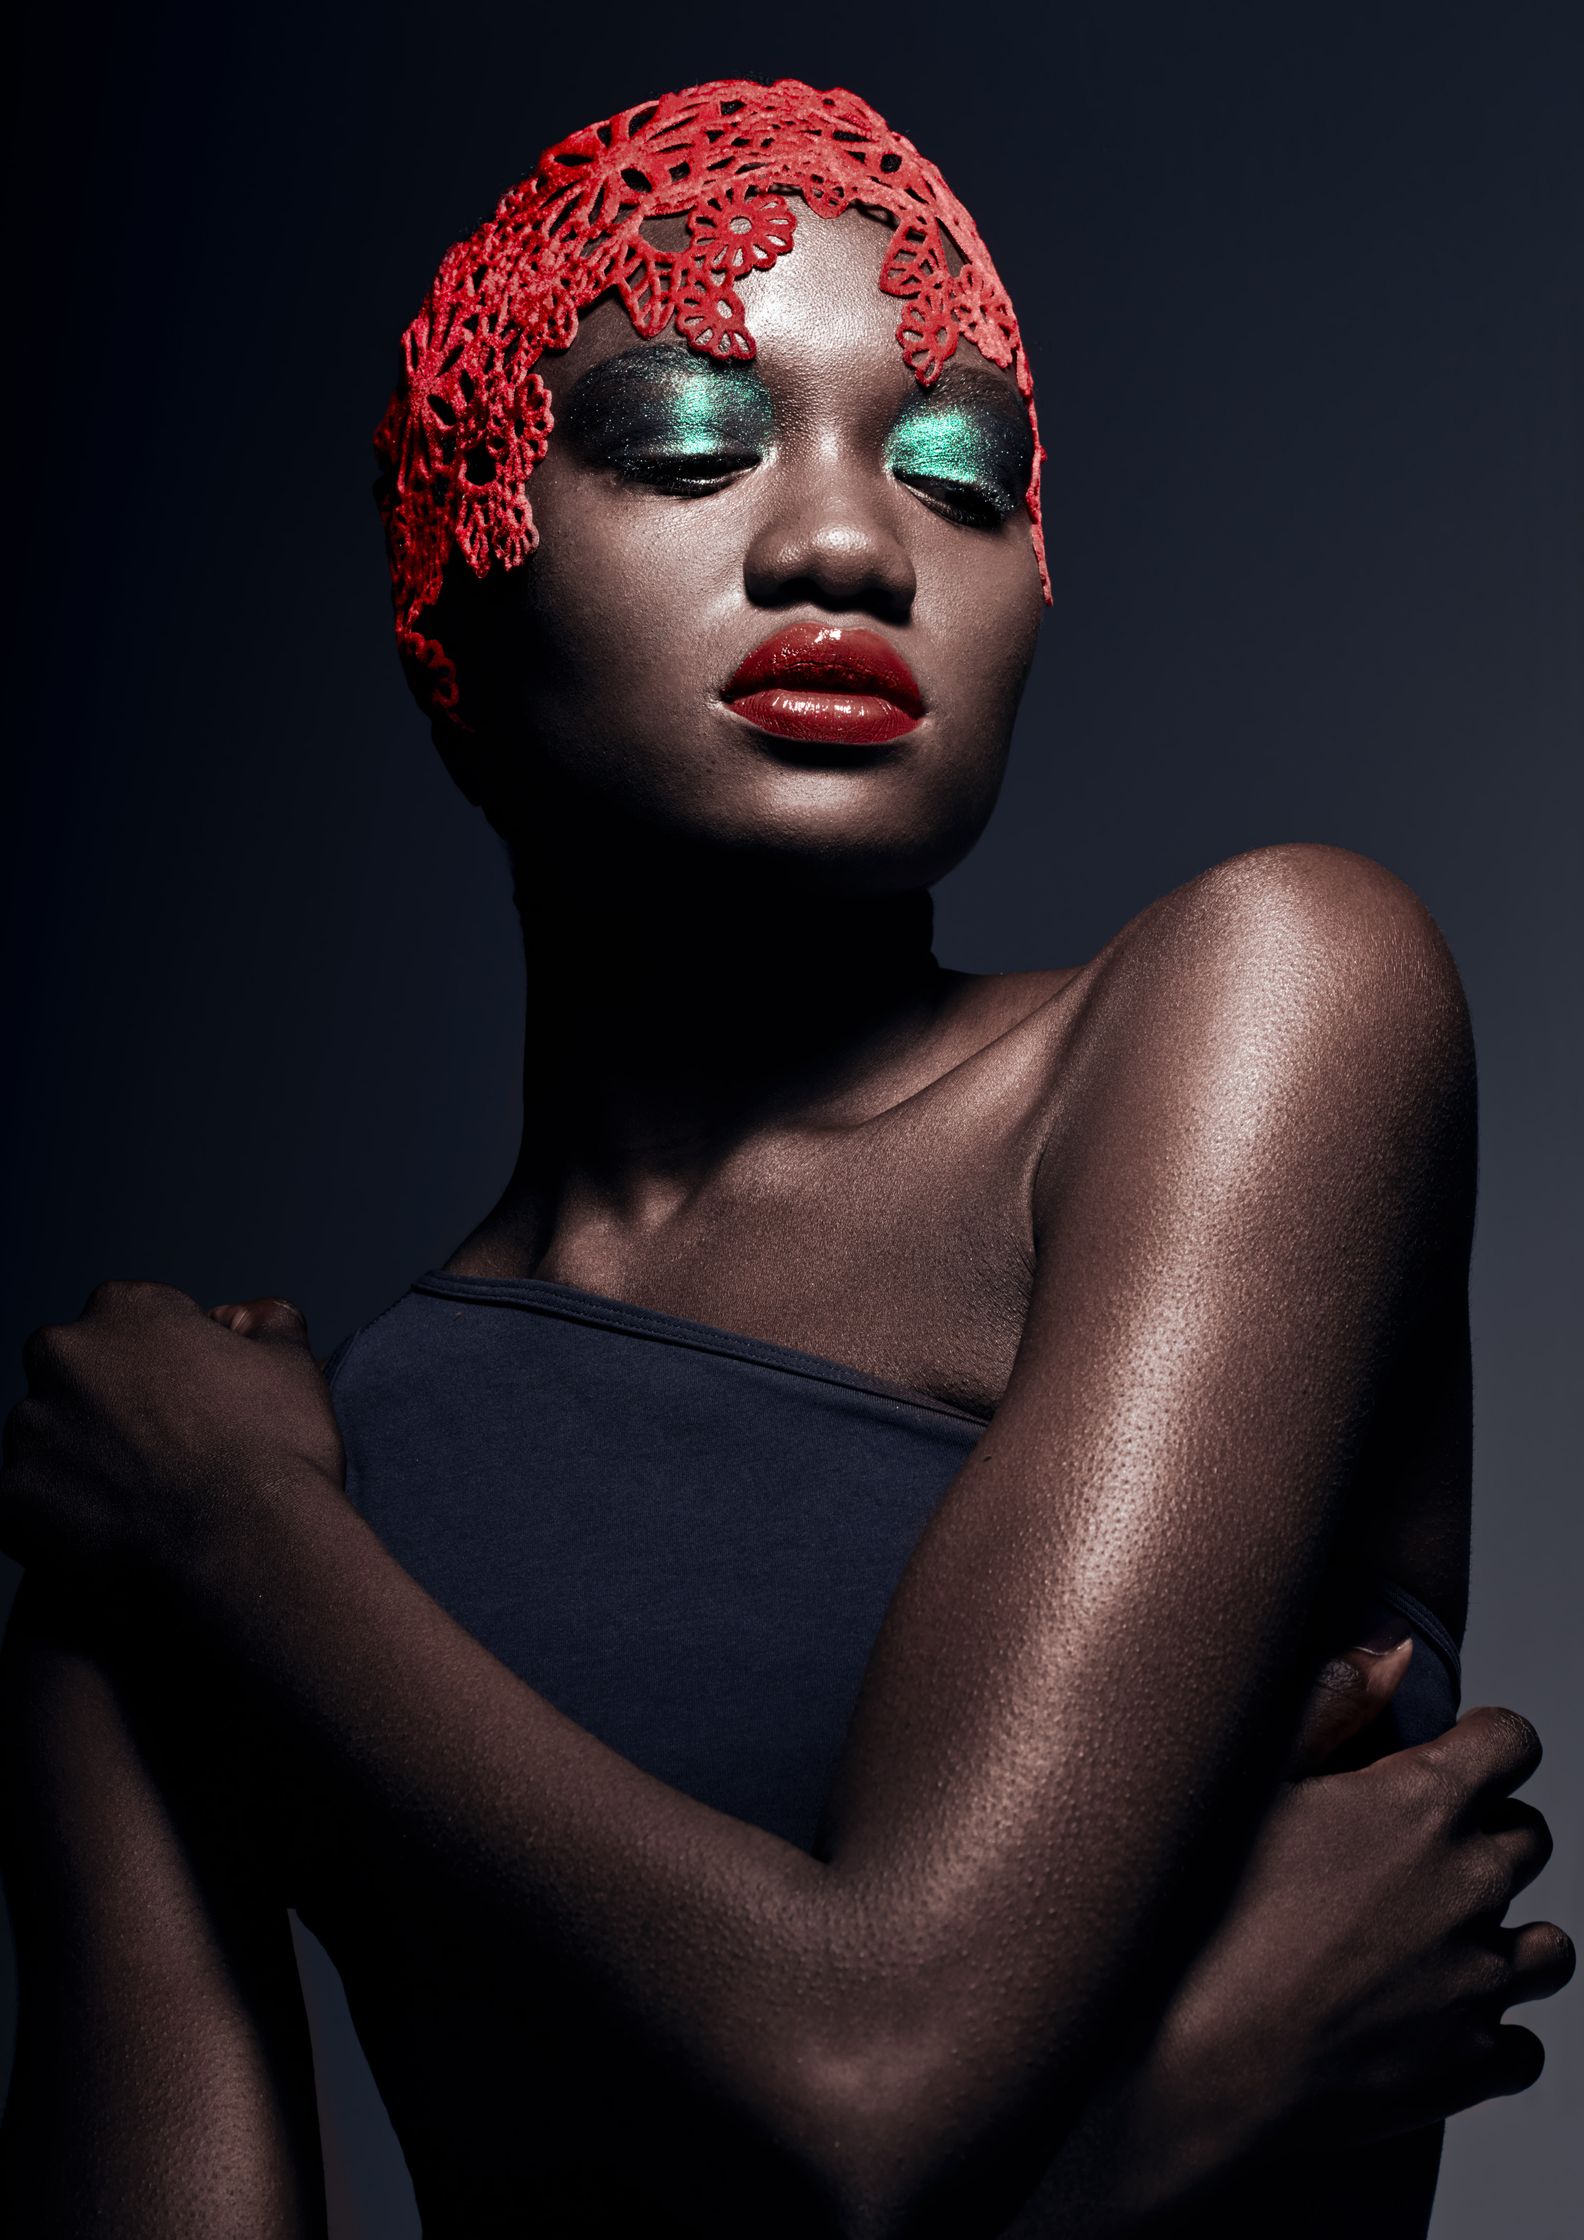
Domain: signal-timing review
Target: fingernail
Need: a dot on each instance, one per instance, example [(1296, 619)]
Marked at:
[(1380, 1640)]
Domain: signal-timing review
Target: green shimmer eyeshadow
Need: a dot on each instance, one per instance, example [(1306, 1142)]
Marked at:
[(953, 443), (669, 403)]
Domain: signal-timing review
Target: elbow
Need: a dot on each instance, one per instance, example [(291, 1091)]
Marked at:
[(892, 2139), (863, 2125)]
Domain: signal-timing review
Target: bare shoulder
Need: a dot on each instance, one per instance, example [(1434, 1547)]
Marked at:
[(1315, 936), (1298, 995)]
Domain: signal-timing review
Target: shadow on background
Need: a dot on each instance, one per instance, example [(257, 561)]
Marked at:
[(1302, 290)]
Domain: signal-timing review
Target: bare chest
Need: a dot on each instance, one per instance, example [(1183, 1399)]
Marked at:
[(902, 1248)]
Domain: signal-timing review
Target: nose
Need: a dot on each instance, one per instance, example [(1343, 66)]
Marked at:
[(830, 537)]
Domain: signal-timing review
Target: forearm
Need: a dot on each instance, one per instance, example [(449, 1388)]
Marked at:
[(131, 2112), (1168, 2128), (728, 1965), (1084, 1680), (784, 2024), (162, 2087), (704, 1939), (774, 2005)]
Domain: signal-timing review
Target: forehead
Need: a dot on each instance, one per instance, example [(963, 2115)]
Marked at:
[(817, 317)]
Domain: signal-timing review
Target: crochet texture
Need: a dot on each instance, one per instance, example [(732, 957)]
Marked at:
[(471, 414)]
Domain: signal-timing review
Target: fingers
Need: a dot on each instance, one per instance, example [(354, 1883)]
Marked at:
[(47, 1351), (274, 1320), (1541, 1958), (1489, 2062), (1521, 1840), (1489, 1752), (1348, 1692), (1514, 2062)]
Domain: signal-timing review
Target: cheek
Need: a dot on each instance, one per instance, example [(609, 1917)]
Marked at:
[(631, 614), (621, 589), (980, 607), (623, 622)]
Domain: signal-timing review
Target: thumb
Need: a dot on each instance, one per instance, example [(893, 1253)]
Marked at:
[(1348, 1691), (275, 1320)]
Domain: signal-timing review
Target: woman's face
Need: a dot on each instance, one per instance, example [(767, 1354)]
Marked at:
[(781, 610)]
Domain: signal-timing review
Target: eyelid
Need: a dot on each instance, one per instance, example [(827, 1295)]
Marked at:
[(978, 505), (635, 392), (729, 446), (664, 470), (668, 363), (955, 449), (987, 432)]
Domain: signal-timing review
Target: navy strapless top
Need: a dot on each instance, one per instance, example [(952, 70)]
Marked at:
[(685, 1539)]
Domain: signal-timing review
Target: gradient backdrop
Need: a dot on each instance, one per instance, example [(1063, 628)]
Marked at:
[(1302, 288)]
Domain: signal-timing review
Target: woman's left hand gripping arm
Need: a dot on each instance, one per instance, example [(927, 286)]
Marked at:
[(1259, 1172)]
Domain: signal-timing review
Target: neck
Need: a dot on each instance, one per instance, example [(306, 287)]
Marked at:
[(672, 1017)]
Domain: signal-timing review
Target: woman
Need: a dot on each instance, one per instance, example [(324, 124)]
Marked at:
[(1103, 1330)]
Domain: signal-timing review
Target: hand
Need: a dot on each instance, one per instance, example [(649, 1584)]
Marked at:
[(148, 1424), (1356, 1986), (1350, 1689)]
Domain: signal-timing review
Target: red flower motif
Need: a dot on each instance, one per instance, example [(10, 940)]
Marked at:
[(915, 261), (470, 419), (928, 335), (710, 315), (826, 194), (739, 230), (644, 285), (420, 539), (979, 319), (557, 325), (428, 656), (493, 521)]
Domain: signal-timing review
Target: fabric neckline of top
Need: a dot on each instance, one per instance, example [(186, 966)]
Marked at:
[(540, 1296)]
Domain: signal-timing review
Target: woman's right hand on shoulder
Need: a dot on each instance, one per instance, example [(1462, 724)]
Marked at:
[(1356, 1985)]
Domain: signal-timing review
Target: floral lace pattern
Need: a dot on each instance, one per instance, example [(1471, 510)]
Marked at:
[(471, 418)]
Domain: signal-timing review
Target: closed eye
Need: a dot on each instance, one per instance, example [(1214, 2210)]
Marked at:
[(958, 501), (661, 418), (961, 456), (686, 474)]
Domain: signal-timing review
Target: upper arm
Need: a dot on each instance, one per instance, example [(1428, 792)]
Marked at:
[(163, 2083), (1260, 1157)]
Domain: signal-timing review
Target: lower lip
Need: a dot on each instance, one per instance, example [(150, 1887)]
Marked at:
[(842, 719)]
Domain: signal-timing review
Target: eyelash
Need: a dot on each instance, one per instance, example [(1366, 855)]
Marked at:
[(967, 502), (667, 473)]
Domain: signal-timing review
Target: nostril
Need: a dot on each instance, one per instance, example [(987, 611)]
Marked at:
[(826, 555)]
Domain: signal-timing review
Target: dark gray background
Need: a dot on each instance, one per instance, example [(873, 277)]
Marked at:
[(1302, 288)]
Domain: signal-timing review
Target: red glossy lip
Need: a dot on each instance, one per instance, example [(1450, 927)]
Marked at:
[(824, 682)]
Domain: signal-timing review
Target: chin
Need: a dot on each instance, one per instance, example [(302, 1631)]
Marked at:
[(851, 856), (890, 826), (882, 828)]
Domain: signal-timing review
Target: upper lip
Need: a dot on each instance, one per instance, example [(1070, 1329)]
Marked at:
[(828, 657)]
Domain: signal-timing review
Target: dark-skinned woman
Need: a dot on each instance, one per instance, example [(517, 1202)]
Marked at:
[(875, 1654)]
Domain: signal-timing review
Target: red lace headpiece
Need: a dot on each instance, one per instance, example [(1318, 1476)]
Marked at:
[(471, 416)]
